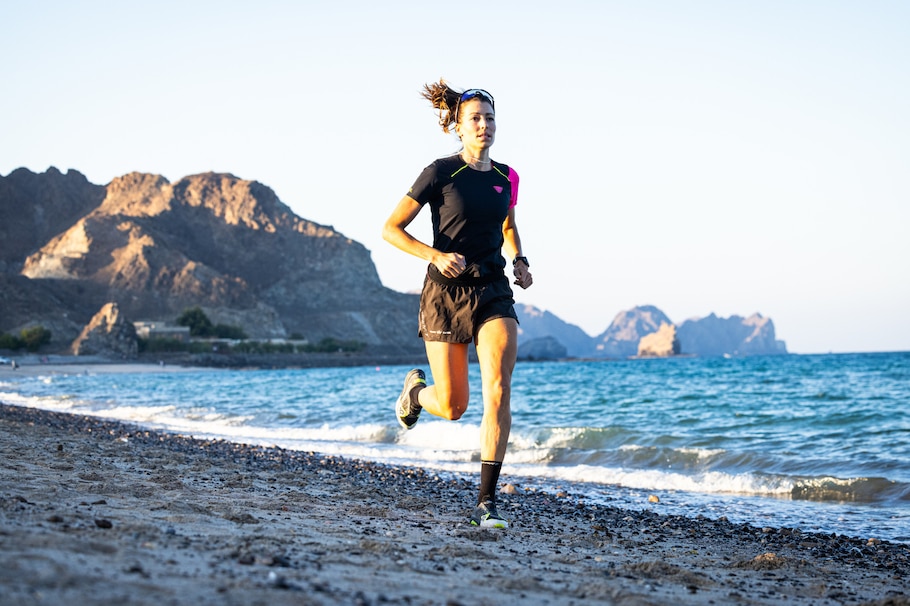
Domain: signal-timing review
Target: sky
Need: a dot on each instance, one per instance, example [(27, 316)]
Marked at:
[(701, 156)]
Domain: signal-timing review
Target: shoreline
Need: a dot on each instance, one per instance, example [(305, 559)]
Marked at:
[(95, 511), (62, 363)]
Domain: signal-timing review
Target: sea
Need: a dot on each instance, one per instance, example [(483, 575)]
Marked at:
[(820, 443)]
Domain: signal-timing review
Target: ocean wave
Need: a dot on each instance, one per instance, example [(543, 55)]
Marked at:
[(662, 480), (854, 490)]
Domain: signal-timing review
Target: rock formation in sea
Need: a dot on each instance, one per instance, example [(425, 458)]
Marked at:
[(621, 338), (660, 344), (647, 331), (542, 348), (714, 336), (536, 323)]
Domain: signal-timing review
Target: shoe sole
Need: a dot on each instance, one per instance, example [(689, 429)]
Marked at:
[(491, 524), (405, 393)]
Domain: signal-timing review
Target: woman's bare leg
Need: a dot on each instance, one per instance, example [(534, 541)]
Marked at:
[(448, 396), (497, 350)]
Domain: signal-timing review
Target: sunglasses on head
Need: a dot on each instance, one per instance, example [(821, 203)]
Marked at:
[(471, 93)]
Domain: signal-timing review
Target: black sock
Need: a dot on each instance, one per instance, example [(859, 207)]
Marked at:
[(415, 402), (489, 476)]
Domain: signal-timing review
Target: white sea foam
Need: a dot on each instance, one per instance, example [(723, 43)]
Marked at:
[(434, 444), (658, 480), (752, 441), (59, 403)]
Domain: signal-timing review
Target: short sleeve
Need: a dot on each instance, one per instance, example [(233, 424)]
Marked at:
[(513, 179), (426, 187)]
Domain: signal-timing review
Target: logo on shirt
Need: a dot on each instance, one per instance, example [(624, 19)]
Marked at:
[(498, 188)]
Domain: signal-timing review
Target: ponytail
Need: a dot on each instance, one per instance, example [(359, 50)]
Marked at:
[(445, 100)]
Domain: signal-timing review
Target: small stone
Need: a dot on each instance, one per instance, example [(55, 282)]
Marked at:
[(246, 559), (101, 523), (653, 499), (508, 489)]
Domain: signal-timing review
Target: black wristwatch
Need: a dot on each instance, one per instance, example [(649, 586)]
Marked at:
[(523, 259)]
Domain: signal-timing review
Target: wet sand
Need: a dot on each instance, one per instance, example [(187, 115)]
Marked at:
[(100, 512)]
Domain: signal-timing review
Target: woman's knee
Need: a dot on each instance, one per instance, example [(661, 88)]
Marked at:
[(451, 404), (498, 388)]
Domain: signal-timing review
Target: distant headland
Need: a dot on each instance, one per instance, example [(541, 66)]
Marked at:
[(153, 249)]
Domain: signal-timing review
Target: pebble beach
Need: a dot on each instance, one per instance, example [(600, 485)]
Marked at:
[(102, 512)]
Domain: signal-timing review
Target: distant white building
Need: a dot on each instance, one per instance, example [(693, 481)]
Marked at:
[(160, 330)]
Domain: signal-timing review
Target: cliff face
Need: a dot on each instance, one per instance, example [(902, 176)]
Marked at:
[(660, 344), (108, 333), (230, 246), (647, 331), (713, 336), (536, 324), (34, 208), (220, 242), (628, 327)]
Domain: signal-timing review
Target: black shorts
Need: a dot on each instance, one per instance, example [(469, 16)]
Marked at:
[(453, 313)]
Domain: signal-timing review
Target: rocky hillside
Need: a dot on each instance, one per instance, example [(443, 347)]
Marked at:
[(713, 336), (153, 247), (230, 246), (627, 329), (542, 332), (35, 208), (535, 324)]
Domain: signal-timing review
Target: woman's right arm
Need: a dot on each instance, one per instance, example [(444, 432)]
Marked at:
[(394, 232)]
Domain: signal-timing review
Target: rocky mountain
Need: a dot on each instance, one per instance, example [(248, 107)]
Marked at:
[(647, 331), (152, 248), (537, 324), (214, 240), (542, 348), (627, 329), (713, 336), (34, 208)]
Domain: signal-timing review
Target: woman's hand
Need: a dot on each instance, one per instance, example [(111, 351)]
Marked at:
[(451, 265), (522, 274)]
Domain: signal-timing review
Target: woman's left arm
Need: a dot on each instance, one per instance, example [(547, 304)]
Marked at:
[(512, 247)]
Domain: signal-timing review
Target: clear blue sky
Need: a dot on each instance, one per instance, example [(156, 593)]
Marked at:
[(704, 156)]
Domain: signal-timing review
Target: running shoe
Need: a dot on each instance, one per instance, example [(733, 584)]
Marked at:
[(486, 516), (407, 412)]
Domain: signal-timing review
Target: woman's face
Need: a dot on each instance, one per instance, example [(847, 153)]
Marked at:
[(477, 123)]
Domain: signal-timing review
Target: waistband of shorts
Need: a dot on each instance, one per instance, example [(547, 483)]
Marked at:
[(434, 275)]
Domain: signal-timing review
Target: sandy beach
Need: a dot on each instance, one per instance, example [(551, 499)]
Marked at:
[(99, 512), (59, 364)]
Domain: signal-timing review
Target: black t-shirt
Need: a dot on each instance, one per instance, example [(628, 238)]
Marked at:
[(468, 208)]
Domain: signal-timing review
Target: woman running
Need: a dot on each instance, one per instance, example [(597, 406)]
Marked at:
[(466, 295)]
